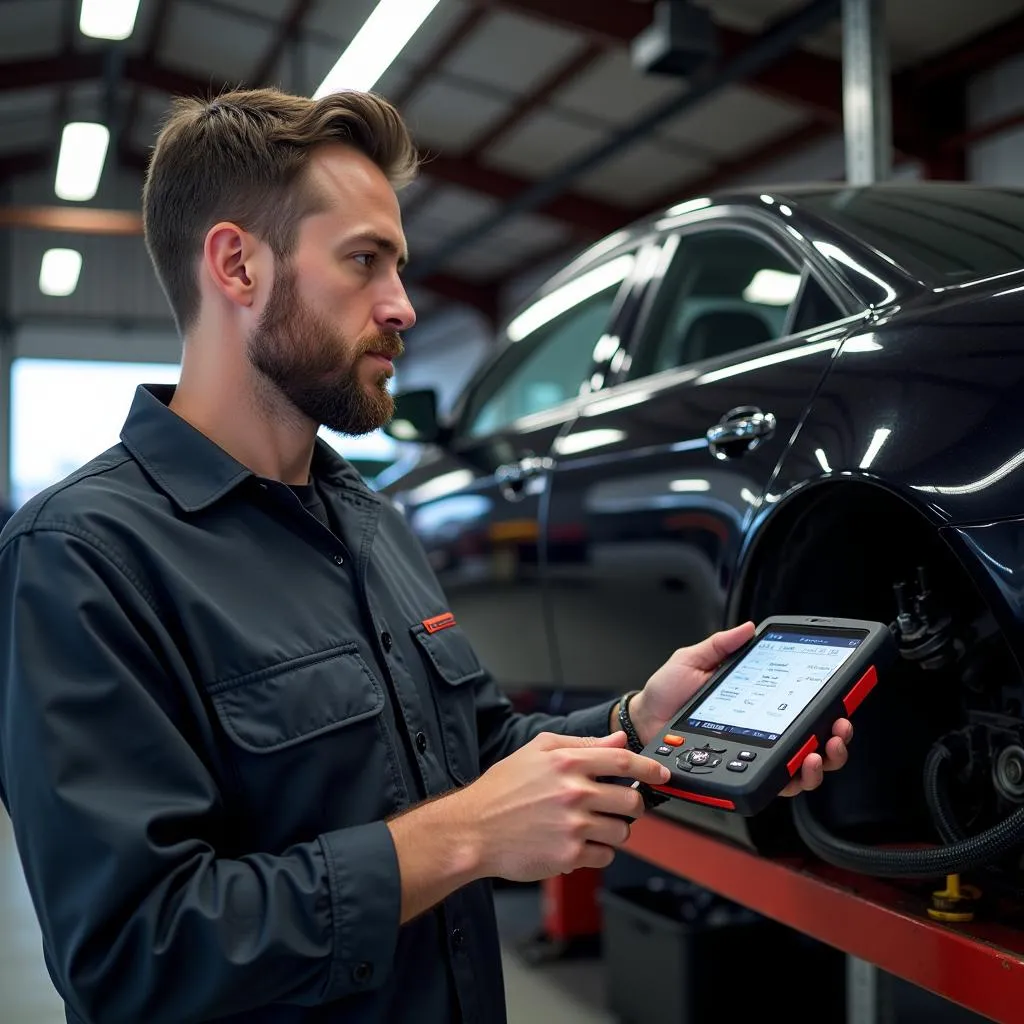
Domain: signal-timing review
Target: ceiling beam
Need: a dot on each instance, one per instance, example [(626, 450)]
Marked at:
[(37, 72), (589, 215), (483, 297), (82, 220), (748, 164), (802, 78), (538, 96), (89, 220), (25, 163), (440, 53), (288, 31), (157, 28)]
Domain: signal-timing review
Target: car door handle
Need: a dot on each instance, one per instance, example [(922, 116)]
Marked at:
[(740, 430), (512, 477)]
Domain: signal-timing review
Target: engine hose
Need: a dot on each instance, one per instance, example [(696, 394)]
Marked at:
[(944, 860), (936, 797)]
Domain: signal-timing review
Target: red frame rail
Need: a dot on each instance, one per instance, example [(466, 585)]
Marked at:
[(979, 965)]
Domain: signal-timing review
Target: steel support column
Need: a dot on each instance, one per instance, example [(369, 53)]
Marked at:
[(867, 99)]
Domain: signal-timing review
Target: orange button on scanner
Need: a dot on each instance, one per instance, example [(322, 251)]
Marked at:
[(673, 740)]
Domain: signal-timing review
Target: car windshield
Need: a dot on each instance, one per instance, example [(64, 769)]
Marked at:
[(942, 233)]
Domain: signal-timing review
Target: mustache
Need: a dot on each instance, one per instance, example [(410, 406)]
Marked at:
[(389, 345)]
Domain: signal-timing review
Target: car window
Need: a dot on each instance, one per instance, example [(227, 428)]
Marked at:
[(724, 290), (552, 351)]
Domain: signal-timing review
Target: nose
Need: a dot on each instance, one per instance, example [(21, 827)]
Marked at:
[(395, 312)]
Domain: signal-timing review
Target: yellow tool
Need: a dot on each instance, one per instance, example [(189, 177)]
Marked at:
[(955, 902)]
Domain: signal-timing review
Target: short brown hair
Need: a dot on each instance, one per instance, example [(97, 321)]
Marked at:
[(243, 157)]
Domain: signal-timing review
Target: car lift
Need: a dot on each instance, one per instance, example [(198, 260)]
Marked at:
[(913, 932)]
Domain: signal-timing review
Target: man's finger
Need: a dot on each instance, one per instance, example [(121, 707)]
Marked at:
[(812, 771), (554, 740), (625, 764), (836, 754), (843, 728)]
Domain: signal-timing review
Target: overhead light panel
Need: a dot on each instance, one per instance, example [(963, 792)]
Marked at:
[(58, 274), (83, 148), (381, 39), (108, 19)]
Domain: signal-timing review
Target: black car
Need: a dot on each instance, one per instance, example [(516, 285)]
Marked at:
[(806, 400)]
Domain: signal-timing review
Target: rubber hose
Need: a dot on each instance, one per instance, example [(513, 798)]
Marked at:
[(936, 798), (944, 860)]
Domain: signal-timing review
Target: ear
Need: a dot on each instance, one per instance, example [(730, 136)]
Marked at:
[(230, 260)]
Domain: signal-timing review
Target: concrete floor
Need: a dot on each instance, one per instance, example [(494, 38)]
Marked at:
[(568, 993)]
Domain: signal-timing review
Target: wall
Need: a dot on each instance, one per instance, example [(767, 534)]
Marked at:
[(997, 93)]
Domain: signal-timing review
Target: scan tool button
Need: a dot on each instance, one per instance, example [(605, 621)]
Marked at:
[(673, 740), (737, 766), (698, 757), (664, 751), (746, 755)]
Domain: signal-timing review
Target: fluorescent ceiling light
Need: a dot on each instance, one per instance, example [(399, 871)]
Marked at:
[(819, 454), (559, 301), (108, 19), (684, 486), (772, 288), (58, 274), (381, 39), (83, 148)]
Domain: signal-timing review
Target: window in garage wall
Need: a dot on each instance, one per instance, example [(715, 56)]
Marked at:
[(65, 412)]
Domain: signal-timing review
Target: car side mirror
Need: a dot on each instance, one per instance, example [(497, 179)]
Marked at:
[(415, 417)]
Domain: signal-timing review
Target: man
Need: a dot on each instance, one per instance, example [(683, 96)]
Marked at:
[(255, 770)]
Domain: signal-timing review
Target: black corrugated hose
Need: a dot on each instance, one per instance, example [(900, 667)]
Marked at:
[(962, 854)]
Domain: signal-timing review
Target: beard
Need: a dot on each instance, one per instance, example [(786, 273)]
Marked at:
[(316, 368)]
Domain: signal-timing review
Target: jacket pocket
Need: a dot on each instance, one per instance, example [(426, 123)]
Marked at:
[(279, 707), (455, 668)]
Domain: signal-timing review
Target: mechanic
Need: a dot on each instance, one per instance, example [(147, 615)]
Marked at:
[(255, 770)]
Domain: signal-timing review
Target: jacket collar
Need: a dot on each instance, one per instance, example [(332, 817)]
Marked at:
[(190, 468)]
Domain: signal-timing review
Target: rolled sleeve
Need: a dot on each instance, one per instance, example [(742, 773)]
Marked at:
[(366, 904)]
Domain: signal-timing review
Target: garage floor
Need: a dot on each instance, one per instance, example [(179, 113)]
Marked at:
[(568, 993)]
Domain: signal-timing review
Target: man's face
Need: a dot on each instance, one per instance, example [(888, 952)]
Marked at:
[(329, 331)]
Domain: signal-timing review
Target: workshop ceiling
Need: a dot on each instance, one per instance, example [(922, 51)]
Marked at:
[(500, 94)]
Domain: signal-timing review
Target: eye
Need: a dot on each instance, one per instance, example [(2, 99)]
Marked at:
[(368, 256)]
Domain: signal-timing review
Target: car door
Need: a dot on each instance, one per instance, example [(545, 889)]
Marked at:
[(475, 506), (658, 477)]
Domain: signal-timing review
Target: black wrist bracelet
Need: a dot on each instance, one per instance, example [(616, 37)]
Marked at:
[(626, 723)]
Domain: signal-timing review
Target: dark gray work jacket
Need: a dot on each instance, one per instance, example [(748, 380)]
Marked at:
[(209, 703)]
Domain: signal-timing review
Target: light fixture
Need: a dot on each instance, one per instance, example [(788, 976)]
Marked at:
[(562, 299), (83, 148), (381, 39), (108, 19), (58, 273), (819, 454), (689, 486)]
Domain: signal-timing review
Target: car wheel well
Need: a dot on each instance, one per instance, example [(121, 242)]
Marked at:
[(839, 550)]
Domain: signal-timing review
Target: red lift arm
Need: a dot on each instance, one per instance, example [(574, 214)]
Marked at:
[(979, 965)]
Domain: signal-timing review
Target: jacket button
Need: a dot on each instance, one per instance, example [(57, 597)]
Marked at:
[(362, 972), (458, 938), (339, 560), (385, 641), (421, 742)]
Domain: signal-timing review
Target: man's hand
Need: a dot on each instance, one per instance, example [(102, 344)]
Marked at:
[(688, 669), (541, 811)]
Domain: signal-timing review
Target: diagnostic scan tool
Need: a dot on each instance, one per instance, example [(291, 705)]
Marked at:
[(737, 742)]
